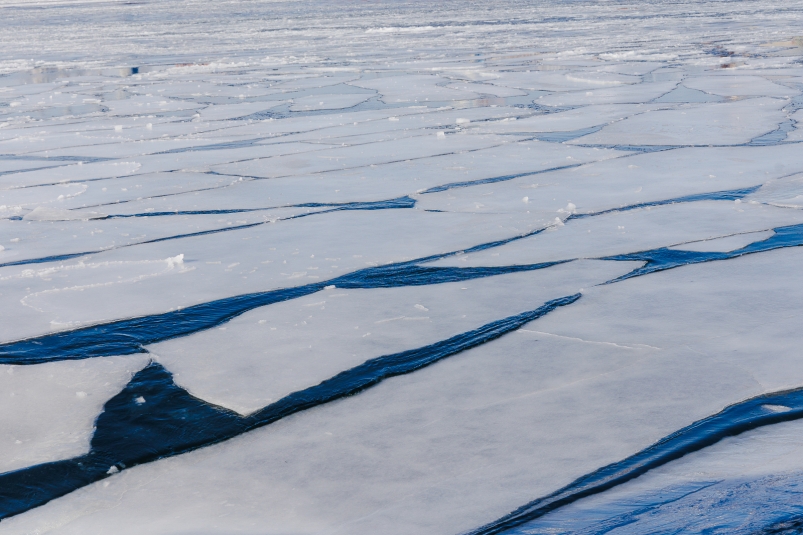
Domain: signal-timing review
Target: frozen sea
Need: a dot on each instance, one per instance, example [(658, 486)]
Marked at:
[(401, 268)]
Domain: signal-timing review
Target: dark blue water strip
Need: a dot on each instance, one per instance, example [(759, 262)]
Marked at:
[(84, 159), (775, 137), (398, 203), (664, 258), (637, 148), (28, 170), (562, 137), (503, 178), (58, 258), (734, 506), (389, 204), (733, 420), (128, 336), (152, 418), (786, 527), (726, 195)]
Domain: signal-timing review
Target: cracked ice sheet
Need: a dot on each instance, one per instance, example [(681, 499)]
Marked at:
[(266, 257), (30, 240), (461, 442), (733, 86), (381, 153), (133, 189), (92, 141), (156, 162), (755, 306), (268, 353), (410, 117), (637, 230), (328, 101), (797, 133), (414, 88), (786, 192), (562, 81), (76, 172), (382, 181), (618, 182), (233, 111), (727, 123), (767, 455), (48, 411), (114, 190), (625, 94), (577, 119)]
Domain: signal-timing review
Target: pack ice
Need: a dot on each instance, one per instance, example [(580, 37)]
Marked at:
[(400, 268)]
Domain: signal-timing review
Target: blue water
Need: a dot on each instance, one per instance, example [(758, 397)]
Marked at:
[(170, 421), (740, 506), (663, 258), (775, 137), (684, 94), (405, 202), (391, 204), (491, 180), (636, 148), (562, 137), (733, 420), (128, 336), (727, 195), (399, 202)]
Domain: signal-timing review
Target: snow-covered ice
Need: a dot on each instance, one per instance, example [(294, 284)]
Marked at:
[(308, 267)]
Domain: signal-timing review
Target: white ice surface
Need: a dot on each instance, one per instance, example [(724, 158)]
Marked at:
[(232, 111), (614, 183), (138, 280), (577, 119), (446, 449), (762, 454), (415, 88), (47, 412), (739, 86), (727, 123), (638, 230), (624, 94), (725, 244), (127, 108), (283, 348), (327, 102)]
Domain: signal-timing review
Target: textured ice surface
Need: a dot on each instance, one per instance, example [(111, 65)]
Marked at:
[(744, 484), (232, 215)]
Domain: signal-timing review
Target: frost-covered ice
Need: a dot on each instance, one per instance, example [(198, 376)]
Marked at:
[(405, 242)]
